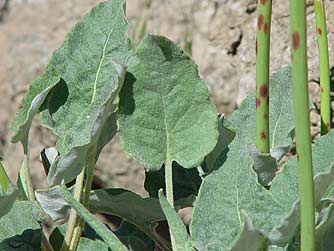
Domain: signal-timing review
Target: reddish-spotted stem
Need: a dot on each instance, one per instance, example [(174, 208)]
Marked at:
[(325, 110), (302, 123), (262, 74)]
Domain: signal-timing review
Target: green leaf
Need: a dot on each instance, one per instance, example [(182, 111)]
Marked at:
[(7, 199), (31, 103), (20, 229), (80, 140), (57, 236), (226, 135), (144, 213), (176, 226), (109, 237), (53, 203), (286, 183), (186, 182), (133, 238), (234, 186), (4, 179), (164, 99), (22, 181), (250, 238), (8, 192), (325, 231), (79, 88), (89, 245), (265, 166)]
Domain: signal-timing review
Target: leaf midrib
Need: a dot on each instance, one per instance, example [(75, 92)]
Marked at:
[(100, 64)]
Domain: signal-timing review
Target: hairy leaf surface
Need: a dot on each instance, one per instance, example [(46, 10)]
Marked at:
[(176, 226), (90, 64), (89, 245), (20, 229), (109, 237), (165, 112), (234, 186), (76, 93), (8, 192), (325, 231), (144, 213)]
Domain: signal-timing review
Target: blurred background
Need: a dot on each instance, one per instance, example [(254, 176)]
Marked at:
[(219, 34)]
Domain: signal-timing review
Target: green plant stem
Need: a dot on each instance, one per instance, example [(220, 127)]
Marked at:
[(87, 189), (4, 180), (325, 107), (169, 182), (169, 191), (73, 219), (30, 187), (262, 74), (76, 224), (302, 121)]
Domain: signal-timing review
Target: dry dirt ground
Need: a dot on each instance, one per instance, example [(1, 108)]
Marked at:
[(220, 32)]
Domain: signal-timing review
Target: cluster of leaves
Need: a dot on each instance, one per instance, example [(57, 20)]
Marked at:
[(97, 85)]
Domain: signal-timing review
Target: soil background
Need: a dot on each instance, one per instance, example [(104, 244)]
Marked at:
[(221, 34)]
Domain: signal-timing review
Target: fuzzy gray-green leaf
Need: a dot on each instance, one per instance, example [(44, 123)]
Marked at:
[(226, 136), (250, 239), (20, 229), (90, 66), (76, 94), (164, 111), (89, 245), (325, 231), (31, 103), (7, 199), (109, 237), (176, 226), (234, 186), (8, 192), (144, 213)]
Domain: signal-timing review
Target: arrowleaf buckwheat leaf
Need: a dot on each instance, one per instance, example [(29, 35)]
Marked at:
[(286, 183), (234, 186), (20, 229), (133, 238), (164, 109), (265, 166), (108, 236), (53, 203), (226, 135), (250, 238), (31, 103), (144, 213), (89, 245), (80, 141), (176, 226), (7, 199), (76, 94), (8, 192), (325, 231)]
